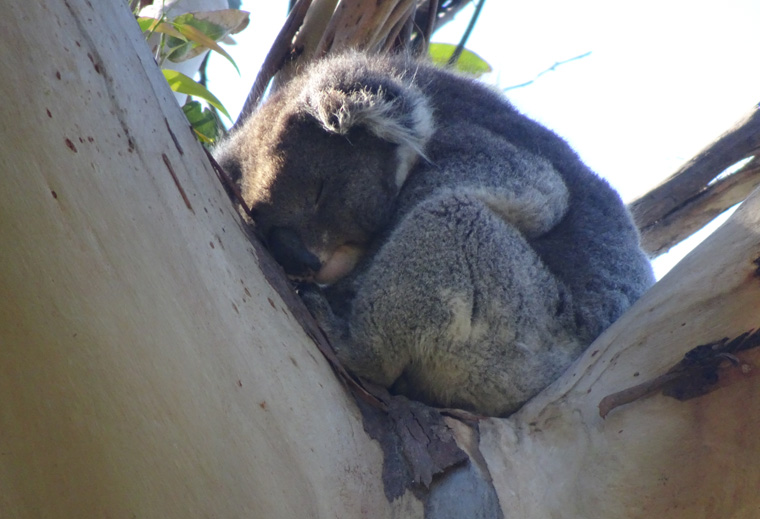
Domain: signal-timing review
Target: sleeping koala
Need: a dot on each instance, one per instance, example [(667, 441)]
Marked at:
[(465, 253)]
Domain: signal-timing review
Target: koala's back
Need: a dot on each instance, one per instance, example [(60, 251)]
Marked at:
[(594, 248)]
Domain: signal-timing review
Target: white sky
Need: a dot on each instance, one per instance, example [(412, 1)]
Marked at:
[(664, 77)]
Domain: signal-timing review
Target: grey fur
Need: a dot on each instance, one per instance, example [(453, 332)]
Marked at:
[(477, 255)]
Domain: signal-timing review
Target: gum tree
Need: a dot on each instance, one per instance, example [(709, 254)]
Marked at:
[(153, 363)]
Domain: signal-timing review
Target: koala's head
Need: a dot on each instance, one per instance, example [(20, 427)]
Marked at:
[(321, 162)]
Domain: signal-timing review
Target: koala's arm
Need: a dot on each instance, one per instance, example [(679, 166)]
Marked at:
[(521, 188), (455, 309), (369, 362)]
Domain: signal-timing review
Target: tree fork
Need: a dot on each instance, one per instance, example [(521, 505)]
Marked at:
[(148, 367)]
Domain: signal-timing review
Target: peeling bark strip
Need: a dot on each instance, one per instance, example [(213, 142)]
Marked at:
[(696, 375), (417, 444)]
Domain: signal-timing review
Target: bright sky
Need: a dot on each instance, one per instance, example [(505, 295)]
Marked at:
[(664, 78)]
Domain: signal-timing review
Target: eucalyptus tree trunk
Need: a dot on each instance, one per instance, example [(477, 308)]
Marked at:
[(149, 367)]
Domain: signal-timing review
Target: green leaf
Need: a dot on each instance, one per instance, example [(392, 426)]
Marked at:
[(212, 31), (185, 85), (468, 62), (202, 40), (231, 20), (203, 122), (163, 27), (147, 24), (201, 31)]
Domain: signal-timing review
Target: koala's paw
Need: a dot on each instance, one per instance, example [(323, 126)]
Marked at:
[(315, 301), (335, 329)]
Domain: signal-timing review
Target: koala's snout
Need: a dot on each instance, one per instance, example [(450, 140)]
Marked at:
[(290, 252), (339, 264), (299, 262)]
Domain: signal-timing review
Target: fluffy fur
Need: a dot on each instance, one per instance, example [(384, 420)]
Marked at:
[(472, 256)]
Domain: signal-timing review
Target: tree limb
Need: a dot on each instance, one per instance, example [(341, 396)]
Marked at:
[(313, 29), (692, 196), (275, 58), (151, 366)]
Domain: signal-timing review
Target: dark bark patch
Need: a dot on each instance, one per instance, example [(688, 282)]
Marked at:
[(698, 373), (177, 183), (417, 444)]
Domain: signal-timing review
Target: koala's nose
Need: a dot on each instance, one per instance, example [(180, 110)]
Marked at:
[(290, 252)]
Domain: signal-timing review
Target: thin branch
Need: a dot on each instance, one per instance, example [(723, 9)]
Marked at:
[(466, 36), (448, 12), (275, 59), (550, 69), (427, 31)]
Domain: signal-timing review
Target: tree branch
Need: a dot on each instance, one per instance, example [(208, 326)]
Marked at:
[(314, 28), (150, 366), (470, 26), (692, 196), (275, 58)]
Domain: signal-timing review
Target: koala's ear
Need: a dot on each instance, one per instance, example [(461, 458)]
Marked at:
[(400, 116), (389, 108)]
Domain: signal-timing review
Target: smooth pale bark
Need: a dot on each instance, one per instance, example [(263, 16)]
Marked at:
[(657, 456), (147, 368)]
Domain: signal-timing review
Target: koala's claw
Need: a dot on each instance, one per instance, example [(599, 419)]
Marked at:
[(316, 302), (313, 298), (334, 328)]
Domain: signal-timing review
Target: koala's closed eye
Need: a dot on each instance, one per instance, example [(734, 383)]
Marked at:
[(470, 255)]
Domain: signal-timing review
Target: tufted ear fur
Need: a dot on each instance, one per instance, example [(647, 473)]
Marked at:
[(384, 104)]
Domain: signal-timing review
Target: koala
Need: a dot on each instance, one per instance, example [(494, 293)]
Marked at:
[(460, 253)]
